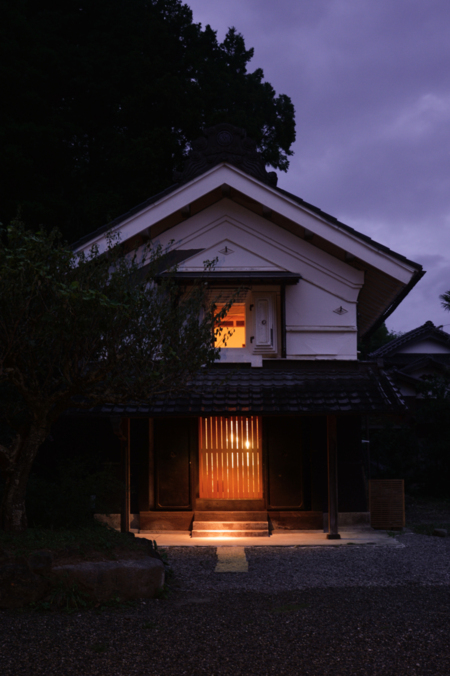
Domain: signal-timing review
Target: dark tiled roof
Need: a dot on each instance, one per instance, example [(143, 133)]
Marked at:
[(348, 228), (362, 388), (424, 332), (438, 362)]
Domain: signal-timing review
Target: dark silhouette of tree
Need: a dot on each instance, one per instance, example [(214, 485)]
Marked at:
[(79, 331), (380, 337), (445, 298), (101, 99)]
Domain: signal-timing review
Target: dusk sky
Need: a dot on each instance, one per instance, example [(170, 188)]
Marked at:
[(370, 82)]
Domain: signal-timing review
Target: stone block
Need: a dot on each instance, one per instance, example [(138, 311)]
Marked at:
[(126, 579)]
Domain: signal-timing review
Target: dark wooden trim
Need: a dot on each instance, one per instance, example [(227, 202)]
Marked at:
[(283, 320), (295, 520), (265, 461), (166, 521), (234, 278), (125, 444), (204, 504), (171, 443), (151, 465), (332, 478), (194, 465)]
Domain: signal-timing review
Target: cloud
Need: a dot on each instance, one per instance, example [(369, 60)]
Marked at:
[(423, 118), (371, 86), (423, 302)]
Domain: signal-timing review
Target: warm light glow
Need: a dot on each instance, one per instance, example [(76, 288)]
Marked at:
[(232, 327), (230, 458)]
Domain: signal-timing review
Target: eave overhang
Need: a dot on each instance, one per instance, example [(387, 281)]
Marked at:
[(233, 278)]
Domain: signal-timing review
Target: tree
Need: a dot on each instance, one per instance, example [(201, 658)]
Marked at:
[(101, 99), (81, 331), (433, 430), (382, 336), (445, 298)]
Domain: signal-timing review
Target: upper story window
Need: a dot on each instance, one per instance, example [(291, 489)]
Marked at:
[(250, 324), (233, 327)]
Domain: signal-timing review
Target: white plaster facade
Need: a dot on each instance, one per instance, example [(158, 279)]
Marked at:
[(246, 225)]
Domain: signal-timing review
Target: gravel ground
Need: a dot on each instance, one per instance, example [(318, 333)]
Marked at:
[(334, 610)]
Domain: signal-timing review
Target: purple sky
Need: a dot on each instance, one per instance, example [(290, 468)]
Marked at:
[(370, 82)]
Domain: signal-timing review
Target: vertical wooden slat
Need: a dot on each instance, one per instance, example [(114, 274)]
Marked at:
[(230, 464), (218, 483)]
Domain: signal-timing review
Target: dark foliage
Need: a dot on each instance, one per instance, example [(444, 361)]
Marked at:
[(380, 337), (100, 100), (77, 331), (418, 450), (445, 298)]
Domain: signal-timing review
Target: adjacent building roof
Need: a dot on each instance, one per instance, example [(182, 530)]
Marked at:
[(297, 388), (427, 331)]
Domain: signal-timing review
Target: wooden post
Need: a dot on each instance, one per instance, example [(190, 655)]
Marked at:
[(332, 478), (283, 320), (125, 444), (151, 465)]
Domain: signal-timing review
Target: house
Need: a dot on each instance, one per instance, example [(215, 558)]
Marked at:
[(270, 436), (421, 353)]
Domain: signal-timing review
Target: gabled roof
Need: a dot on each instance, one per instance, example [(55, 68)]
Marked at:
[(427, 331), (225, 163), (425, 362), (196, 165)]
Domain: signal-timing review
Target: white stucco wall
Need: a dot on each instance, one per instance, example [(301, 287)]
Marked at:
[(314, 329), (424, 347)]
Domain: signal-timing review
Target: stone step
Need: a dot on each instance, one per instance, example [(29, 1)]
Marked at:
[(230, 525), (229, 533), (230, 516)]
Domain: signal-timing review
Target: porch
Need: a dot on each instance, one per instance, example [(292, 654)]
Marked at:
[(253, 451)]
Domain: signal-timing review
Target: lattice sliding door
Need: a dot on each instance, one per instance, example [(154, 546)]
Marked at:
[(231, 458)]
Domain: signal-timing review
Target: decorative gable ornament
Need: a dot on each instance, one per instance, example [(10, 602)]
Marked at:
[(225, 143), (226, 251)]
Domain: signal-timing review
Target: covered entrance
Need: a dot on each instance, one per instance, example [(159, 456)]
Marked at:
[(230, 478), (230, 458), (272, 461)]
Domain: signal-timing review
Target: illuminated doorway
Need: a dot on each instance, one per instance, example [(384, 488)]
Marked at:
[(231, 458)]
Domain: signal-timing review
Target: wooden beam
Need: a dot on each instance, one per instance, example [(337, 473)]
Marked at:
[(125, 443), (283, 320), (332, 478)]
